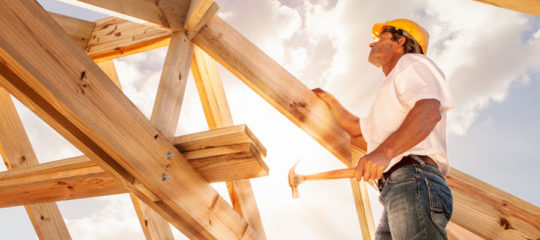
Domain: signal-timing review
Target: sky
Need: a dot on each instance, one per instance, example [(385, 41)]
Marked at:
[(489, 56)]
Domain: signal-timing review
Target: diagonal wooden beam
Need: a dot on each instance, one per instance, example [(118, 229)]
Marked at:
[(48, 73), (166, 14), (199, 13), (296, 101), (217, 112), (272, 82), (17, 152), (490, 212), (79, 30), (531, 7)]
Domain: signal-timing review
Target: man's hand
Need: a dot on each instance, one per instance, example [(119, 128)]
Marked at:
[(371, 166), (328, 98)]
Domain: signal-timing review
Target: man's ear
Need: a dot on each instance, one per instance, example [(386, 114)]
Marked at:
[(401, 41)]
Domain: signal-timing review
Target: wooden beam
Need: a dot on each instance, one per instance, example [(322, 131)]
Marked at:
[(166, 14), (199, 13), (79, 30), (217, 112), (272, 82), (455, 232), (45, 70), (114, 37), (67, 179), (531, 7), (490, 212), (361, 201), (108, 68), (17, 152)]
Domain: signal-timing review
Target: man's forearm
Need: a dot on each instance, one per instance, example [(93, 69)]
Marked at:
[(417, 125)]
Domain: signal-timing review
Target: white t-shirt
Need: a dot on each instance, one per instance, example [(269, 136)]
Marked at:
[(415, 77)]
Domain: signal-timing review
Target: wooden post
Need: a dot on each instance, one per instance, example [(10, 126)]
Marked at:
[(361, 201), (17, 152), (216, 110)]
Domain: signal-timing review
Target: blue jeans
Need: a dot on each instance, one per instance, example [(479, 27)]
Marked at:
[(417, 204)]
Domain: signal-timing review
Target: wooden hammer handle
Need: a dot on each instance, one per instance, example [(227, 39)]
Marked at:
[(334, 174)]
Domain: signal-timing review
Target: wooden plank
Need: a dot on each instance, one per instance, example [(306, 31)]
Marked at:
[(79, 30), (199, 13), (17, 153), (46, 71), (172, 85), (114, 37), (165, 118), (67, 179), (272, 82), (455, 232), (490, 212), (108, 68), (216, 110), (167, 14), (362, 202), (531, 7)]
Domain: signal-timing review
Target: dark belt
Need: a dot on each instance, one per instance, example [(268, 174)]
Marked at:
[(405, 161)]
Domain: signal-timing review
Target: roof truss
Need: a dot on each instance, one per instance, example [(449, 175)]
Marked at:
[(501, 215)]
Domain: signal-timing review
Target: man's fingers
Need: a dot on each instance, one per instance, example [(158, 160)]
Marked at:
[(374, 171), (367, 170), (379, 173), (360, 169)]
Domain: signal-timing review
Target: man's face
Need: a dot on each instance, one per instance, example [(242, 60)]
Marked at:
[(383, 50)]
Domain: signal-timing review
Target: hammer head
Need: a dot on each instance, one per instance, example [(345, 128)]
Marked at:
[(295, 180)]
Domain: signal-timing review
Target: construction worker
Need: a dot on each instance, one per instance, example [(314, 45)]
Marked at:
[(405, 133)]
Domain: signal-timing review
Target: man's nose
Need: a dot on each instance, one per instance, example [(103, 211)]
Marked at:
[(372, 44)]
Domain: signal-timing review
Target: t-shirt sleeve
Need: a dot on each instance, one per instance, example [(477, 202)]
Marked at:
[(422, 81)]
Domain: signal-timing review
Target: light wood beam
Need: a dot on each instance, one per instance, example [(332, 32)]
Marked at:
[(17, 152), (165, 118), (79, 30), (531, 7), (490, 212), (114, 37), (295, 101), (108, 68), (67, 179), (361, 200), (166, 14), (455, 232), (199, 13), (46, 71), (272, 82), (217, 112)]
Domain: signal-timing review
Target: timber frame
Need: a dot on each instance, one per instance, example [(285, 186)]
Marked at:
[(73, 86)]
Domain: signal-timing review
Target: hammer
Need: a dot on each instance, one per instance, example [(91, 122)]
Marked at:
[(296, 179)]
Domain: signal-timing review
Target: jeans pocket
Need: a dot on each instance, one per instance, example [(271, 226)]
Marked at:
[(440, 202)]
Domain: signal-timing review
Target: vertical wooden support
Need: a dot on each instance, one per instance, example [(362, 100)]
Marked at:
[(17, 152), (361, 201), (216, 110), (153, 225), (165, 117)]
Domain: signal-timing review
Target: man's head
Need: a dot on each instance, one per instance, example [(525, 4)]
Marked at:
[(395, 38)]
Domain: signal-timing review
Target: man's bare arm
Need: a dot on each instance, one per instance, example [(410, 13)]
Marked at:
[(417, 125), (348, 121)]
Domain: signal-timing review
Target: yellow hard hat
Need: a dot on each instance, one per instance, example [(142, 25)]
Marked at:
[(420, 35)]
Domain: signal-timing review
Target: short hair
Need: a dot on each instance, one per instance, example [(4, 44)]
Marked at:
[(410, 45)]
